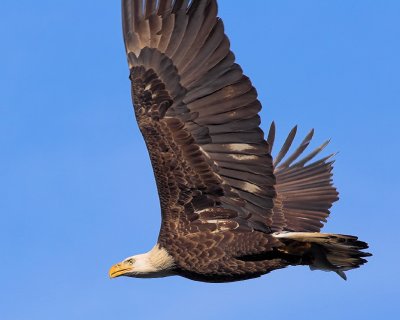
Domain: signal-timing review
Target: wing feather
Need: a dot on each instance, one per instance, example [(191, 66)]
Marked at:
[(305, 192), (190, 94)]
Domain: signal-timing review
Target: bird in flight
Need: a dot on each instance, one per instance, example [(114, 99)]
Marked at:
[(229, 210)]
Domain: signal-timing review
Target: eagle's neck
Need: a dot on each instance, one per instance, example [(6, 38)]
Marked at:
[(155, 263)]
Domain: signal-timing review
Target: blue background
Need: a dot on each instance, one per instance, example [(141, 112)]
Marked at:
[(77, 192)]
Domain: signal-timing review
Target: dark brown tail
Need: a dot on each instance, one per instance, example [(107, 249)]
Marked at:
[(325, 251)]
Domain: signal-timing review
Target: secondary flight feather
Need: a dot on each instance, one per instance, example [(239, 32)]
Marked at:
[(229, 211)]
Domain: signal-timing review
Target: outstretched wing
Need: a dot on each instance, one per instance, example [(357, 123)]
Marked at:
[(198, 114), (305, 192)]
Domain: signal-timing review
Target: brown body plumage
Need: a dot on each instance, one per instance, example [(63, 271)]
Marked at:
[(229, 212)]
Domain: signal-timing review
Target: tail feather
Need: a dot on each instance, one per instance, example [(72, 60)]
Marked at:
[(325, 251)]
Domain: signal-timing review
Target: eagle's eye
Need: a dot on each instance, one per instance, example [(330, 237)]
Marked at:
[(130, 261)]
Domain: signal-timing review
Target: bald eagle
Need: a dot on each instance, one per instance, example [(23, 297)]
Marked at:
[(229, 210)]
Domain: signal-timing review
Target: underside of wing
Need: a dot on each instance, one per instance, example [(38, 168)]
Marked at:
[(305, 191), (198, 114)]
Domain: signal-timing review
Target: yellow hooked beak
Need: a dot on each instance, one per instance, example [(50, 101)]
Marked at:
[(120, 269)]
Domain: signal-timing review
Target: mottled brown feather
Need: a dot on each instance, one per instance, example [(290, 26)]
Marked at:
[(192, 93)]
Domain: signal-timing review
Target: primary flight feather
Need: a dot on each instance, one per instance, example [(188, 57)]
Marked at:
[(229, 211)]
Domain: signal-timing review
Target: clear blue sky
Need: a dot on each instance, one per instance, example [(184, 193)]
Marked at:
[(77, 192)]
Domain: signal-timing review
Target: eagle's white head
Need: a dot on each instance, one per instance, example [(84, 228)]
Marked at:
[(153, 264)]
